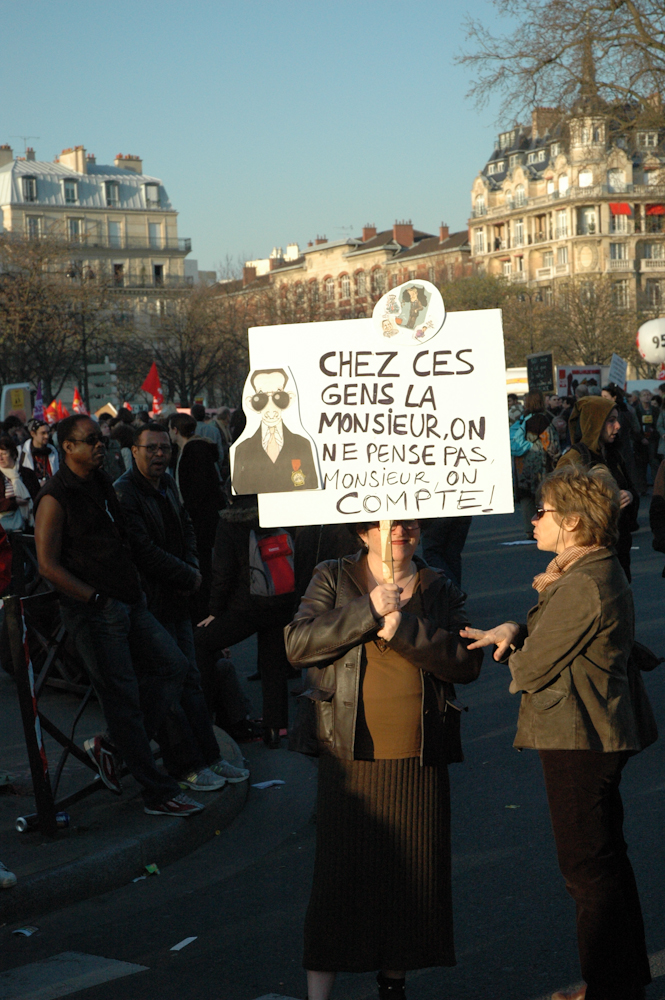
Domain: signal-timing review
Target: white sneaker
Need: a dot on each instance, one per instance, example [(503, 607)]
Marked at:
[(204, 780), (232, 774), (7, 878)]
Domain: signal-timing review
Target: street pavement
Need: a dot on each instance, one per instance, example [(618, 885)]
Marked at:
[(242, 895)]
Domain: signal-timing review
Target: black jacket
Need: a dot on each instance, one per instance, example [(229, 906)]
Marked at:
[(330, 629), (168, 564), (200, 488)]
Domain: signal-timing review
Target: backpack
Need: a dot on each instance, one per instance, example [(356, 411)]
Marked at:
[(271, 566), (519, 445)]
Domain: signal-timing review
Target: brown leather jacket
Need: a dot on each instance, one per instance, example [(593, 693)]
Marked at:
[(571, 661), (330, 629)]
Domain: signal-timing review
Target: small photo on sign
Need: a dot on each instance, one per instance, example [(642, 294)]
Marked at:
[(411, 313), (275, 453)]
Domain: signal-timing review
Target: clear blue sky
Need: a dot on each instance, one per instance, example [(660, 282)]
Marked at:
[(269, 121)]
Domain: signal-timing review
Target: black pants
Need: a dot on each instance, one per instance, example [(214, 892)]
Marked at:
[(266, 617), (587, 819)]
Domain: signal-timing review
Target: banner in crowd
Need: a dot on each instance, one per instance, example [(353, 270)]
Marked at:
[(570, 376), (398, 416)]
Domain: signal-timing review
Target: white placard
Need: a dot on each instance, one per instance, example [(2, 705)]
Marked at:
[(618, 370), (397, 430), (570, 376)]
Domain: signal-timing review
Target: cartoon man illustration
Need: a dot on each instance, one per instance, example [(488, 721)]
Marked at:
[(273, 459), (416, 299)]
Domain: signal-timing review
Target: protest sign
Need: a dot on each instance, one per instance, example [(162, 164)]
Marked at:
[(570, 376), (618, 370), (400, 416), (540, 371)]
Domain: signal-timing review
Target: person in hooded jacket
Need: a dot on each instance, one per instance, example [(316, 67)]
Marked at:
[(594, 428)]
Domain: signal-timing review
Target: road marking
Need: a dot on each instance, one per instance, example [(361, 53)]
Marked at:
[(61, 975), (182, 944)]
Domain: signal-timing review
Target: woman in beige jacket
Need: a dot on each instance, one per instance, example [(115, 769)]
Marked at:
[(570, 661)]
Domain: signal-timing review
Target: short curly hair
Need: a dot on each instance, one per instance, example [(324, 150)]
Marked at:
[(588, 494)]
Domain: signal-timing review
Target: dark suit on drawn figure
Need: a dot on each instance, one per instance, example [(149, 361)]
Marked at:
[(293, 469)]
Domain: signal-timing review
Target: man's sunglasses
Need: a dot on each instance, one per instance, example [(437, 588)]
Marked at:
[(152, 449), (91, 439), (280, 398)]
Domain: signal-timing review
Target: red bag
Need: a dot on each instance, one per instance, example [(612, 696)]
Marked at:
[(276, 573)]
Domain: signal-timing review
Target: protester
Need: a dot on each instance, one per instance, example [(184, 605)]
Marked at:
[(208, 429), (134, 665), (383, 658), (646, 454), (594, 427), (535, 448), (14, 429), (443, 541), (37, 454), (629, 435), (571, 664), (122, 433), (198, 481), (657, 510), (236, 612), (515, 408), (18, 488), (164, 550)]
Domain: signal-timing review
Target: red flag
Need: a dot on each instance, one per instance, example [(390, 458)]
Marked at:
[(51, 413), (61, 411), (77, 402), (152, 383)]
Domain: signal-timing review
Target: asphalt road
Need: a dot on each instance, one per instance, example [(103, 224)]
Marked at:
[(243, 895)]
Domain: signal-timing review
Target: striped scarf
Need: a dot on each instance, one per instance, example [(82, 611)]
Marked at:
[(558, 566)]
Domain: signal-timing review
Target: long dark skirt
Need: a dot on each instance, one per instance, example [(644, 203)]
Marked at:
[(381, 896)]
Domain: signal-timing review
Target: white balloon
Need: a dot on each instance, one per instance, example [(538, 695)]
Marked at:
[(651, 341)]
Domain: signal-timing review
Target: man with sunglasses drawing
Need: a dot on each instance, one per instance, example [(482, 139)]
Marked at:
[(273, 459)]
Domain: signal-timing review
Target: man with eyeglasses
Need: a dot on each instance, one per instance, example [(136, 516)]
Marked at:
[(273, 459), (164, 549), (135, 667)]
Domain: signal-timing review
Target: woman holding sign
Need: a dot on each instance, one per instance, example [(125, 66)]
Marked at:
[(383, 659), (570, 661)]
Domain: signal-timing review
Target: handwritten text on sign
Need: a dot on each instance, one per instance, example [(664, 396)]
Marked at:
[(400, 430)]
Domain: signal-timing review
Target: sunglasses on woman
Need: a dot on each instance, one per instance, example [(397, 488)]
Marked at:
[(541, 511)]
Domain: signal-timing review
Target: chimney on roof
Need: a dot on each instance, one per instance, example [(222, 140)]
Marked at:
[(91, 158), (30, 154), (320, 239), (248, 275), (444, 232), (275, 261), (6, 155), (74, 159), (369, 232), (403, 233), (543, 119), (129, 162), (309, 243)]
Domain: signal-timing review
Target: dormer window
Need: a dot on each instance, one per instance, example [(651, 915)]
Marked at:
[(29, 189), (541, 156), (531, 158), (647, 140), (71, 192), (555, 149), (112, 193), (491, 168), (506, 139), (152, 195), (514, 160)]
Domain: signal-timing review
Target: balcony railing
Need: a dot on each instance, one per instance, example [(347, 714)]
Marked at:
[(652, 264), (543, 273), (518, 277), (562, 269), (625, 264), (181, 244), (134, 282), (653, 192)]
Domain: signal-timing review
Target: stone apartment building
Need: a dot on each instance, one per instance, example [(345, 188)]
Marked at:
[(575, 199), (342, 279), (119, 223)]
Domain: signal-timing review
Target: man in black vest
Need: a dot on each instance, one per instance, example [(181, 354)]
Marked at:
[(273, 460), (136, 668)]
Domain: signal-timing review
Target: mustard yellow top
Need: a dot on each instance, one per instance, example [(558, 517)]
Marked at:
[(392, 699)]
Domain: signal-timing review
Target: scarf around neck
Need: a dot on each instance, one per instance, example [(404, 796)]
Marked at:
[(558, 566)]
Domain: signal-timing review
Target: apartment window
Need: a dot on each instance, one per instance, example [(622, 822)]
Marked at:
[(509, 200), (34, 227), (561, 223), (618, 251), (361, 283), (647, 140), (620, 294), (74, 229), (654, 251), (562, 255), (520, 197), (563, 184), (71, 192), (378, 282), (158, 274), (519, 232), (152, 195), (430, 273), (514, 160), (541, 156), (29, 189), (491, 168), (618, 223), (118, 275), (112, 193), (555, 149), (506, 140), (548, 297), (650, 177), (155, 234), (314, 291), (345, 286), (585, 135), (507, 268), (478, 241), (329, 285), (480, 204), (501, 166), (550, 187), (585, 179), (616, 180), (115, 234), (548, 259), (586, 221), (531, 158), (654, 292)]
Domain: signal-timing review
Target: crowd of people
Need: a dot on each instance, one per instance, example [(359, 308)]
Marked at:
[(159, 569)]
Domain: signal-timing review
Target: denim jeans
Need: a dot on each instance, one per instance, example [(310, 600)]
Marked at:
[(186, 738), (137, 672)]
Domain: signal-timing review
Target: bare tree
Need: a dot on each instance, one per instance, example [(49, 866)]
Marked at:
[(558, 51)]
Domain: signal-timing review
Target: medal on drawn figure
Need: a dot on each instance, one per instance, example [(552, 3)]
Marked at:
[(297, 476)]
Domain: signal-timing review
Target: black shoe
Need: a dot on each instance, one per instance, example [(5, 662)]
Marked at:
[(272, 739), (254, 677), (245, 731), (390, 989)]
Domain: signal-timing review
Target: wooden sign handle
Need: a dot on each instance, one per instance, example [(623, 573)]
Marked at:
[(386, 527)]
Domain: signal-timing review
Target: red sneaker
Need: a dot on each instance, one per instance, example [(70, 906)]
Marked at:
[(179, 805), (105, 762)]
